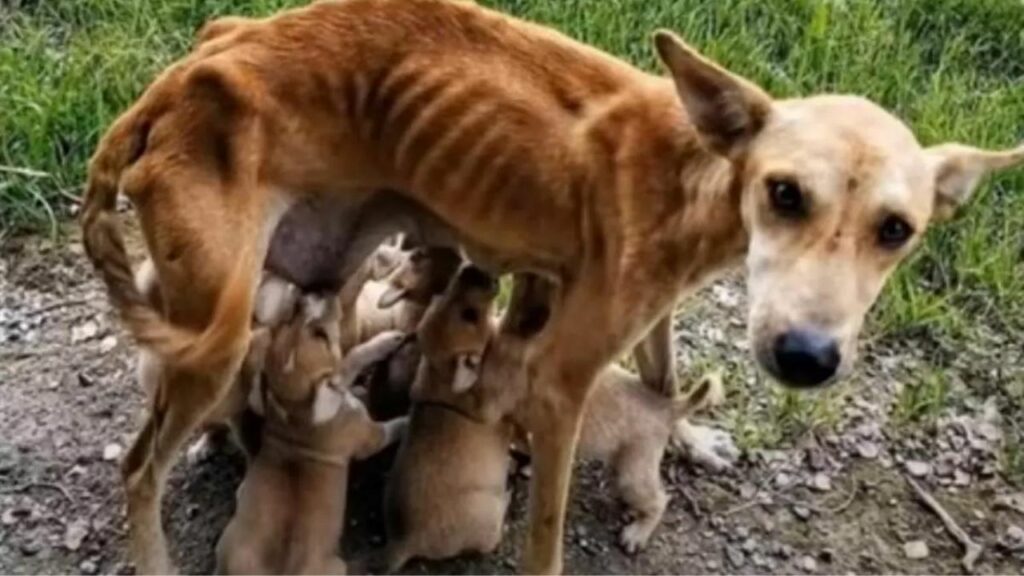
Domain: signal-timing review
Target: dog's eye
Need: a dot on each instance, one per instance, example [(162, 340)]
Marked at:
[(894, 232), (786, 197), (470, 315)]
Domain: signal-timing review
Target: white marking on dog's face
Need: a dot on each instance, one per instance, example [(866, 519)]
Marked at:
[(328, 402), (467, 372)]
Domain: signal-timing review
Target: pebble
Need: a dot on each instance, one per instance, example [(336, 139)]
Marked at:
[(915, 550), (30, 547), (867, 450), (75, 534), (108, 344), (84, 331), (711, 564), (735, 556), (917, 468), (821, 482), (1013, 539), (14, 515), (749, 545), (808, 564), (961, 478), (112, 451), (801, 512), (89, 567)]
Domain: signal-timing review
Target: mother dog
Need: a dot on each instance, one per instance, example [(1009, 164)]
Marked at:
[(540, 154)]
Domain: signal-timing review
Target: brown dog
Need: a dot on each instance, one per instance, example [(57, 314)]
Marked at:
[(454, 123), (446, 494), (291, 505)]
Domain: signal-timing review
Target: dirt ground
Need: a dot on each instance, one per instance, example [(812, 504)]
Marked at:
[(832, 499)]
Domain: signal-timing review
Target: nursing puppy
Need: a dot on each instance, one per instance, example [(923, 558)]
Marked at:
[(446, 494), (291, 504)]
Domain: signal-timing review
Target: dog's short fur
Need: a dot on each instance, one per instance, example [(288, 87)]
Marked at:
[(447, 494), (301, 141), (291, 504)]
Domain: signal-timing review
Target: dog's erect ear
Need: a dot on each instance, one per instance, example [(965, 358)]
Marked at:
[(467, 372), (959, 169), (727, 110)]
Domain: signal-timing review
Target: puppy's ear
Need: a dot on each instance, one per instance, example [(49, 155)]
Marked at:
[(727, 110), (467, 372), (958, 170)]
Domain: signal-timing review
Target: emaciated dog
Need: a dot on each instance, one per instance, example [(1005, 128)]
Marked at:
[(454, 123)]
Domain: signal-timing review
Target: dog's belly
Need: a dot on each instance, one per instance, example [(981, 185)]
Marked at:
[(321, 239)]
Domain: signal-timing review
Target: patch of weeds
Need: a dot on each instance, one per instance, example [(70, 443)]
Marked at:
[(1012, 456), (922, 400)]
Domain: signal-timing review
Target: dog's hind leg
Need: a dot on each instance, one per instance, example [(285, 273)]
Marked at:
[(655, 358)]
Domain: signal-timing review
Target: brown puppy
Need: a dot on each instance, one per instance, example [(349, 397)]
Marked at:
[(446, 494), (454, 123), (291, 504)]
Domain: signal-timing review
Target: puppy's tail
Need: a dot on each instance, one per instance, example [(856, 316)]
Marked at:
[(707, 393), (188, 349)]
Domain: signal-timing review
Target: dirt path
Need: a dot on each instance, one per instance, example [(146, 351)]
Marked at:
[(828, 498)]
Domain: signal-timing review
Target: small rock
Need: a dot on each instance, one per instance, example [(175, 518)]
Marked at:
[(867, 450), (749, 545), (735, 556), (30, 547), (108, 344), (112, 452), (827, 555), (1013, 539), (816, 458), (75, 534), (760, 561), (747, 490), (808, 564), (83, 332), (915, 550), (89, 567), (742, 533), (14, 515), (711, 564), (782, 480), (961, 478), (802, 512), (917, 468), (84, 380), (821, 482)]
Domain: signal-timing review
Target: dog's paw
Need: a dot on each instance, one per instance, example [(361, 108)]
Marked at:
[(634, 537), (709, 447)]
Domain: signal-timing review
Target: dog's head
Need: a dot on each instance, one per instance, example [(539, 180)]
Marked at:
[(456, 328), (301, 364), (835, 193), (421, 274)]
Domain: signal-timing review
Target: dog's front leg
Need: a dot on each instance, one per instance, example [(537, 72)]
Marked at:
[(554, 413), (655, 358)]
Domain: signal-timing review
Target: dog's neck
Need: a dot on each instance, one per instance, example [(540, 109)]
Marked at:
[(674, 207)]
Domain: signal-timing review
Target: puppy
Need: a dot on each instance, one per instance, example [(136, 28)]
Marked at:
[(399, 301), (628, 426), (446, 494), (291, 504)]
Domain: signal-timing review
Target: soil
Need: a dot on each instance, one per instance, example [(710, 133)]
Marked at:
[(831, 499)]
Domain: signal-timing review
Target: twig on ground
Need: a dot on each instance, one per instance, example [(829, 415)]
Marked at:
[(972, 550), (48, 485), (694, 506), (58, 305), (824, 511)]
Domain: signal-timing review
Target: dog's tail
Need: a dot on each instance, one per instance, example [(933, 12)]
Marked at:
[(707, 393), (188, 349)]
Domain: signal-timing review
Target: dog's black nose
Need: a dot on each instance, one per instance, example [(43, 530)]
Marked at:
[(806, 358)]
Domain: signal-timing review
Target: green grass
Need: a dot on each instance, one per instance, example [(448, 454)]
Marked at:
[(954, 69)]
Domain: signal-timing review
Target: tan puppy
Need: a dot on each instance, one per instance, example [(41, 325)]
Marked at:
[(446, 494), (628, 426), (291, 504), (398, 301), (333, 126)]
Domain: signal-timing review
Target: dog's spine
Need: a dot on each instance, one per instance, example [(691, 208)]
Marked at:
[(122, 146)]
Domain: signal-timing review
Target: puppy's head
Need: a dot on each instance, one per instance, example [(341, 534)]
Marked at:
[(835, 192), (300, 375), (455, 330), (420, 275)]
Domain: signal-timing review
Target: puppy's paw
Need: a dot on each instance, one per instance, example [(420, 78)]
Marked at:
[(709, 447), (634, 537)]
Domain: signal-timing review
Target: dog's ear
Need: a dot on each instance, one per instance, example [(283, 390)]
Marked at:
[(727, 110), (958, 170)]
